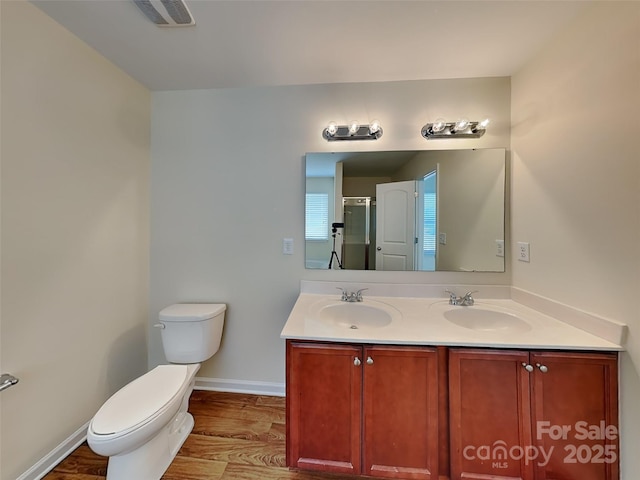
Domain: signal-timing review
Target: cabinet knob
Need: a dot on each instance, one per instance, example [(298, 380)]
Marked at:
[(527, 367), (542, 368), (369, 361), (356, 362)]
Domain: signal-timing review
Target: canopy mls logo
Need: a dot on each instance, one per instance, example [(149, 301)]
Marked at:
[(500, 454)]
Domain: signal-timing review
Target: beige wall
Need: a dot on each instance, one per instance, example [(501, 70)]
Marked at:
[(576, 181), (1, 367), (74, 198), (228, 184)]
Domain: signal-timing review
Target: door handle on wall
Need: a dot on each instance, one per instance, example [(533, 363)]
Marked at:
[(7, 380)]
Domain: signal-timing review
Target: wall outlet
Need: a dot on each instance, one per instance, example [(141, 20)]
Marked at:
[(442, 238), (523, 251), (499, 248), (287, 246)]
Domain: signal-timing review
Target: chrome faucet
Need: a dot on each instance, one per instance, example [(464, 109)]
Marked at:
[(351, 296), (464, 301)]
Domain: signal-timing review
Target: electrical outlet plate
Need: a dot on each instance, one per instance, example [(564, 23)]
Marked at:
[(523, 251), (499, 248)]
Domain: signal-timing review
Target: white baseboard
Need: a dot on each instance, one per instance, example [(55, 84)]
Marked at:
[(240, 386), (53, 458)]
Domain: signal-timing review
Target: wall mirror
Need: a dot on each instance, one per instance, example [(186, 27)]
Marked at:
[(428, 210)]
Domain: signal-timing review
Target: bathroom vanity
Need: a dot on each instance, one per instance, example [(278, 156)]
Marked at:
[(412, 394)]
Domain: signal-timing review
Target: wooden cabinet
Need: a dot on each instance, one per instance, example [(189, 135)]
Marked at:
[(324, 412), (542, 416), (488, 408), (370, 410), (575, 415), (400, 412)]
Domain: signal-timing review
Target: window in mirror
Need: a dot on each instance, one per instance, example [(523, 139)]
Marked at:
[(316, 218), (429, 232)]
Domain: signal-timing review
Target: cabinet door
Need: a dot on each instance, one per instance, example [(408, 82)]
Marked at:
[(489, 414), (400, 412), (324, 388), (575, 415)]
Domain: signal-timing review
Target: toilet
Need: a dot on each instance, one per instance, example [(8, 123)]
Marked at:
[(144, 424)]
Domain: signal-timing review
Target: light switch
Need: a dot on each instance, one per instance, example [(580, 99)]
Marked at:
[(287, 246)]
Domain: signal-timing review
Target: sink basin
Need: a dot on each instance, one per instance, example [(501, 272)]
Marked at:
[(484, 318), (355, 315)]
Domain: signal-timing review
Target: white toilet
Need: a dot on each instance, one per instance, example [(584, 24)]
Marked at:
[(143, 425)]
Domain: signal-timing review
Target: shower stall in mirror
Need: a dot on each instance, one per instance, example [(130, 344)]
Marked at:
[(359, 233)]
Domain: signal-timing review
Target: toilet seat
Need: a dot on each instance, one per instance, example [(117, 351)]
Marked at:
[(143, 405), (138, 402)]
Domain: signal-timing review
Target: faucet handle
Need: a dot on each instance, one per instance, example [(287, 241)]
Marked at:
[(344, 294), (359, 294), (453, 298), (468, 300)]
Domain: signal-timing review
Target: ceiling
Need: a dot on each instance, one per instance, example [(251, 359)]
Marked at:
[(241, 43)]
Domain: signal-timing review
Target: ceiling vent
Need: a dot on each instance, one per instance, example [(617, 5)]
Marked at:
[(166, 13)]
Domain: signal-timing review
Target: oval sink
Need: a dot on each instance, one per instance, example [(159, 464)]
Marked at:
[(488, 320), (356, 314), (482, 317)]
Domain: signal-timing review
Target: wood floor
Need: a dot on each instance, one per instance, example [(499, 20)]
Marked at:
[(236, 437)]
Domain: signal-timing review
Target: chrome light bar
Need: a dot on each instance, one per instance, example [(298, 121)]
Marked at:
[(353, 131), (460, 129)]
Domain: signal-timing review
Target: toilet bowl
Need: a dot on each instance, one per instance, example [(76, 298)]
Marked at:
[(143, 425)]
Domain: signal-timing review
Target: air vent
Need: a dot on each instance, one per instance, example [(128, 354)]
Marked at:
[(166, 13)]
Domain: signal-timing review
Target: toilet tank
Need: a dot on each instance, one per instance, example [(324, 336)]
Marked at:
[(191, 332)]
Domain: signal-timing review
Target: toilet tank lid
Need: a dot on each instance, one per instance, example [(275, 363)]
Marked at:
[(191, 312)]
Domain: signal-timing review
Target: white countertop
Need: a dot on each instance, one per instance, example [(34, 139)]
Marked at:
[(420, 321)]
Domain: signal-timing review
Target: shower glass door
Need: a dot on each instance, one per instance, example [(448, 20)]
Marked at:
[(359, 233)]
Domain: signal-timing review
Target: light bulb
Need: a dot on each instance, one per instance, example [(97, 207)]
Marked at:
[(438, 125), (353, 127), (332, 129), (461, 124), (374, 127), (484, 123)]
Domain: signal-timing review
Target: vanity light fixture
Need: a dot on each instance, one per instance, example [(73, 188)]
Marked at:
[(354, 131), (463, 128)]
